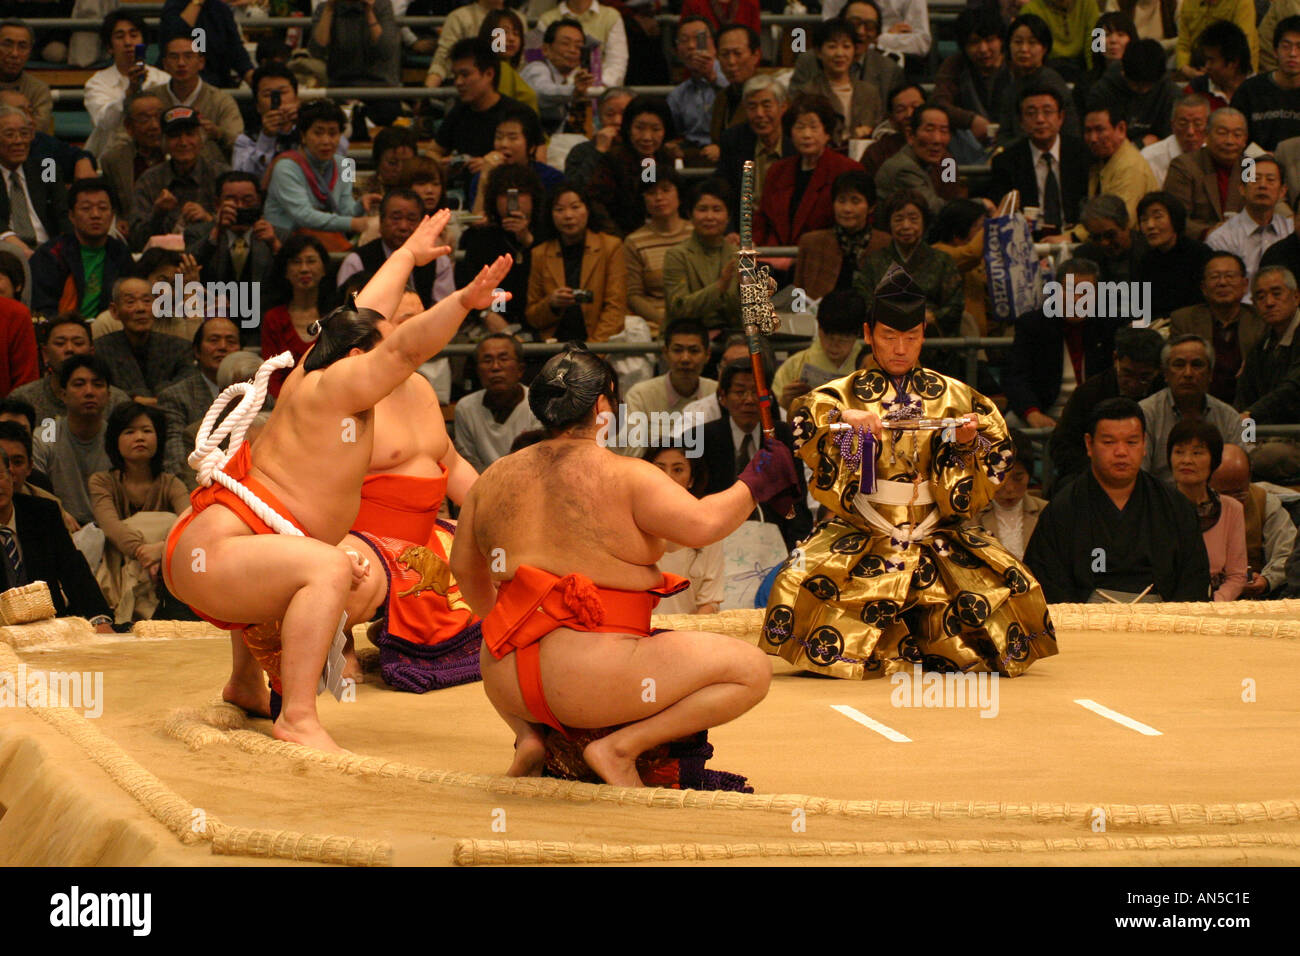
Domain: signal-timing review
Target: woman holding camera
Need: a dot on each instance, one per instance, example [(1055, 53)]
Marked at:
[(577, 283)]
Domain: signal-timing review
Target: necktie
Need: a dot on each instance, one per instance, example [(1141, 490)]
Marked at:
[(746, 453), (15, 560), (238, 254), (20, 220), (1052, 199)]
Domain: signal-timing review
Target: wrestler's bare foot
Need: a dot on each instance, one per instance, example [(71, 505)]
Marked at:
[(613, 766), (253, 697), (351, 666), (530, 755), (309, 735)]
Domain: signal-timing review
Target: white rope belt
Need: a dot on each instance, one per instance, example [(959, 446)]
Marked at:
[(898, 493), (208, 459)]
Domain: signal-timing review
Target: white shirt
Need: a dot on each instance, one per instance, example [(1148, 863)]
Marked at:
[(738, 438), (479, 439), (1160, 155), (105, 96), (1242, 235), (444, 278), (912, 12), (37, 226), (1010, 530), (613, 53), (1040, 172)]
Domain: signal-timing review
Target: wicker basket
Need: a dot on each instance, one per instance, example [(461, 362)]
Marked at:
[(26, 604)]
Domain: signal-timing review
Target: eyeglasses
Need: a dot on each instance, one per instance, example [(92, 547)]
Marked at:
[(17, 136), (741, 395)]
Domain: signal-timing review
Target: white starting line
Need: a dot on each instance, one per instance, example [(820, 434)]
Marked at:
[(1119, 718), (887, 732)]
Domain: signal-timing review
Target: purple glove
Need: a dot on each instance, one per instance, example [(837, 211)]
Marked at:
[(771, 478)]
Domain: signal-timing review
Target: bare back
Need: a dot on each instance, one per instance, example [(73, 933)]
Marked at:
[(564, 506), (410, 433)]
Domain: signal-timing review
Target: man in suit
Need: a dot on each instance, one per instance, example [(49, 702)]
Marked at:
[(143, 362), (1047, 167), (1229, 324), (399, 213), (32, 210), (728, 444), (221, 120), (739, 55), (187, 401), (126, 161), (35, 546), (75, 272), (919, 164), (760, 138), (1194, 178)]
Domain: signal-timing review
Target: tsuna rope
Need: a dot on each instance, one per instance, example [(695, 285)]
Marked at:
[(208, 459)]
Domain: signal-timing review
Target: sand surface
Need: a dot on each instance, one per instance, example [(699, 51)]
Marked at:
[(1042, 748)]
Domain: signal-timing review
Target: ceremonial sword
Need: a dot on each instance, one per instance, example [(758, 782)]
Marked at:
[(756, 312)]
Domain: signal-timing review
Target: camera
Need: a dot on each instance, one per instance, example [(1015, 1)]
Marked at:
[(512, 200), (701, 41), (583, 296), (275, 99), (247, 215), (585, 58), (139, 54)]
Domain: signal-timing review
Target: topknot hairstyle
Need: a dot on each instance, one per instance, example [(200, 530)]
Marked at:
[(567, 388)]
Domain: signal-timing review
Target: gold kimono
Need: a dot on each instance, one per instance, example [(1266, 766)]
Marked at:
[(894, 580)]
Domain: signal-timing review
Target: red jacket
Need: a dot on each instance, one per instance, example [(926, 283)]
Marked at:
[(775, 222), (744, 12), (18, 364)]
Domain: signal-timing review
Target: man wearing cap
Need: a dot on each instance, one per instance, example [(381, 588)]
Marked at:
[(218, 113), (890, 579), (182, 188)]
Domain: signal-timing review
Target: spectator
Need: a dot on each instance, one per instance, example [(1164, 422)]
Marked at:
[(833, 353), (507, 231), (1226, 60), (797, 192), (70, 162), (168, 267), (1144, 97), (1157, 19), (686, 350), (577, 283), (518, 137), (32, 210), (1053, 355), (718, 15), (216, 110), (1071, 23), (463, 23), (16, 39), (306, 191), (44, 552), (703, 567), (701, 275), (17, 412), (361, 45), (135, 503), (906, 215), (1149, 540), (1208, 181), (469, 129), (1195, 16), (510, 54), (1268, 389), (1271, 101), (1012, 514), (143, 362), (18, 367), (1270, 532), (584, 159), (488, 421), (559, 78), (392, 147), (181, 190), (759, 138), (76, 450), (1189, 118), (729, 443), (399, 215), (186, 402), (647, 247), (603, 26), (1136, 367), (828, 258), (229, 62), (1117, 168), (870, 64), (891, 135), (13, 276), (75, 272), (61, 338), (918, 166), (1029, 42), (958, 232), (125, 162), (691, 101), (424, 177), (739, 55), (969, 83), (858, 102), (645, 135), (905, 28), (276, 129), (1257, 227), (301, 293), (107, 90), (1195, 449), (16, 442), (1229, 324), (1170, 263), (1049, 169), (735, 348), (1186, 363), (1119, 32)]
